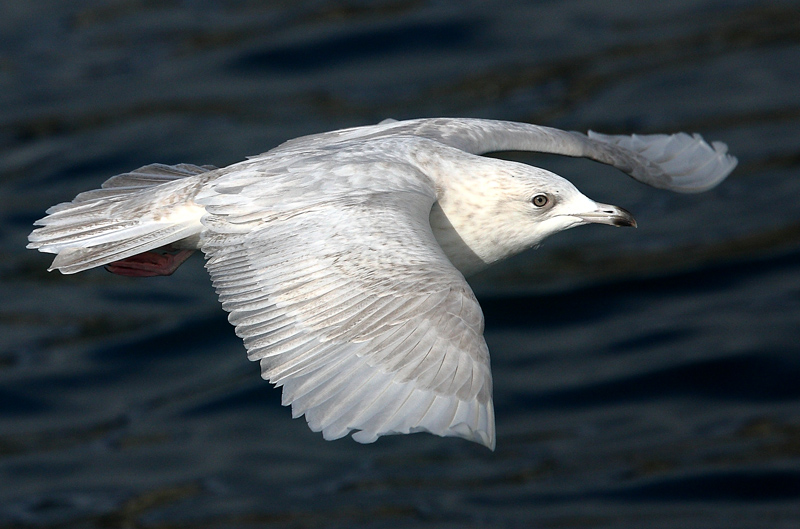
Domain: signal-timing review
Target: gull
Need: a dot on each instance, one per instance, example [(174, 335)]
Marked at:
[(341, 257)]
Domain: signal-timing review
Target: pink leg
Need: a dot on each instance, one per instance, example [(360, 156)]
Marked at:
[(160, 262)]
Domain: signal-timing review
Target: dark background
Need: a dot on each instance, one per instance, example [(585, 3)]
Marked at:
[(644, 378)]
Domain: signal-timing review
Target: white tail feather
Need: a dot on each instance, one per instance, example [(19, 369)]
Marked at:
[(130, 214)]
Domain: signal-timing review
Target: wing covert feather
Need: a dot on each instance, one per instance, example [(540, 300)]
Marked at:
[(351, 305)]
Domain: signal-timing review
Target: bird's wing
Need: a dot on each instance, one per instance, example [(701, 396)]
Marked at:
[(350, 304), (678, 162)]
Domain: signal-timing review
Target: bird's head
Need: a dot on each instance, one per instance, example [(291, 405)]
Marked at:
[(548, 203), (504, 208)]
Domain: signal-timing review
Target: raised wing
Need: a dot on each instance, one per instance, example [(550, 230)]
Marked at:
[(679, 162), (350, 305)]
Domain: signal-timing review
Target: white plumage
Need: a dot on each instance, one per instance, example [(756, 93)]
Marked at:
[(341, 256)]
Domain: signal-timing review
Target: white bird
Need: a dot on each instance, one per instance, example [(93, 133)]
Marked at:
[(341, 256)]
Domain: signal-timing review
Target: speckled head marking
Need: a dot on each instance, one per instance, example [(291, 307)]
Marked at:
[(490, 209)]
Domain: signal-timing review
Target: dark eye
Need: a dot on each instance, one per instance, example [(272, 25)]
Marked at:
[(540, 201)]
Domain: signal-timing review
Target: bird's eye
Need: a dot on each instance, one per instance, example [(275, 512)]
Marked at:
[(540, 201)]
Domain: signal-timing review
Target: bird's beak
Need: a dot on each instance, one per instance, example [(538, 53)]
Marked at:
[(607, 214)]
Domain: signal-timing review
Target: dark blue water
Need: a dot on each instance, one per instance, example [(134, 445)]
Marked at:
[(644, 378)]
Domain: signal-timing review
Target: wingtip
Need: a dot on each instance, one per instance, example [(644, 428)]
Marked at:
[(678, 162)]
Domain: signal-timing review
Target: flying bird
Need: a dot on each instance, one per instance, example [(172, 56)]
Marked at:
[(341, 257)]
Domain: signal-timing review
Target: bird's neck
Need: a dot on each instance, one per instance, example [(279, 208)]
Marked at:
[(468, 219), (458, 251)]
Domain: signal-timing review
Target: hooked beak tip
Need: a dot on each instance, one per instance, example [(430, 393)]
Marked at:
[(625, 220), (612, 215)]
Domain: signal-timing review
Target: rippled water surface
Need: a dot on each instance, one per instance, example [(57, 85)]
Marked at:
[(644, 378)]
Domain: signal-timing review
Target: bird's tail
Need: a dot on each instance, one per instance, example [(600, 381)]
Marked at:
[(131, 213)]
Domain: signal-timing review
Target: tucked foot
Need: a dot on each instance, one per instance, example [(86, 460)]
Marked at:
[(160, 262)]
